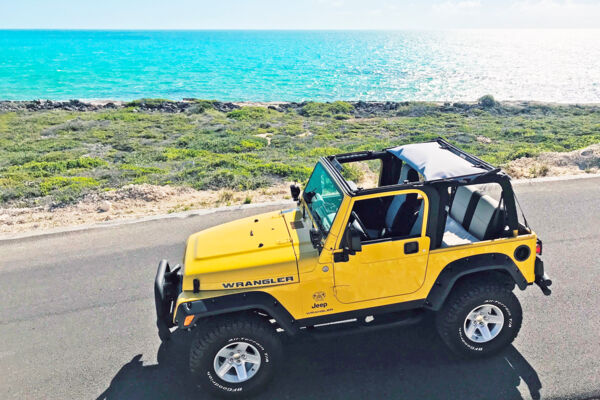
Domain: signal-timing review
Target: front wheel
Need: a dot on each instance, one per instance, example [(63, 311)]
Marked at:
[(235, 357), (479, 319)]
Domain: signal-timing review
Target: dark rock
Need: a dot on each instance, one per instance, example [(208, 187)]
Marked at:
[(225, 107)]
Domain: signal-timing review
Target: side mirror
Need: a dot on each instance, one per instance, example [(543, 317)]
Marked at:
[(295, 191), (315, 237), (353, 241)]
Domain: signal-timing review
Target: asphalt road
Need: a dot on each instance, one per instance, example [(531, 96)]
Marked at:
[(77, 321)]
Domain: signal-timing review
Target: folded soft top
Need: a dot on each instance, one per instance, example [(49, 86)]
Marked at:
[(437, 160)]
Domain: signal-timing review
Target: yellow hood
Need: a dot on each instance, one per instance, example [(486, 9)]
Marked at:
[(249, 242)]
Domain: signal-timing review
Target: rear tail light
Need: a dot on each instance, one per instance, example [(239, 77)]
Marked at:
[(538, 248)]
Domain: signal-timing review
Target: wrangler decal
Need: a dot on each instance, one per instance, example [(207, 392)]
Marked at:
[(260, 282)]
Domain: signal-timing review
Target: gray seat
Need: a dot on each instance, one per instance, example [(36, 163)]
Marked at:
[(406, 174), (416, 228), (394, 223), (486, 219), (473, 217)]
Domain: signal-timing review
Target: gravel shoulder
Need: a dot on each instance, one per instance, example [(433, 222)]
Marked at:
[(131, 202)]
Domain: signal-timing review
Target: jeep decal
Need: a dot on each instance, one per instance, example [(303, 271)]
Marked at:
[(260, 282)]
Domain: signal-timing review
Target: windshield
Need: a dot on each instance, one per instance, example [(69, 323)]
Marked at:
[(323, 198)]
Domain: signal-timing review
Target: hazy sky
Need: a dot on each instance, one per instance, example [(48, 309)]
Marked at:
[(298, 14)]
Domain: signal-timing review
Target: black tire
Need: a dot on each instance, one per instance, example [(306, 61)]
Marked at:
[(450, 319), (250, 329)]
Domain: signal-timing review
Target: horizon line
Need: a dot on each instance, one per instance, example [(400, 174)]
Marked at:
[(297, 29)]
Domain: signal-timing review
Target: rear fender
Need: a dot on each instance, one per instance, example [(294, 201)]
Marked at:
[(470, 265)]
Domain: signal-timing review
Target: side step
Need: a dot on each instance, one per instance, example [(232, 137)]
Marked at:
[(355, 326)]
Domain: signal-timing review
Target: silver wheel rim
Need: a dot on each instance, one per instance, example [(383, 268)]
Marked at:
[(237, 362), (483, 323)]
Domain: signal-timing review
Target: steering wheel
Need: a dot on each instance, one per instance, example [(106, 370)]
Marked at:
[(363, 228)]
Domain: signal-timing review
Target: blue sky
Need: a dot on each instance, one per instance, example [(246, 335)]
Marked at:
[(298, 14)]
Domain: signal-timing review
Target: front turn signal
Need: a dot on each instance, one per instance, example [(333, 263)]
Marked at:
[(188, 320)]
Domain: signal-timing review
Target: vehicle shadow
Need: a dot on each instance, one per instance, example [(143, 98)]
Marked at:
[(403, 365)]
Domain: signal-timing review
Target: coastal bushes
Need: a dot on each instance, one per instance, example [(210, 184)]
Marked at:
[(200, 106), (66, 189), (47, 168), (251, 114), (487, 101), (337, 109), (151, 103), (56, 156)]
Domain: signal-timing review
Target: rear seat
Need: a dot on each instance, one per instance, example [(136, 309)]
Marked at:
[(473, 217)]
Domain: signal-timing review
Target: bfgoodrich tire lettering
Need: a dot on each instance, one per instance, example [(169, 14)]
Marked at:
[(450, 320), (223, 332)]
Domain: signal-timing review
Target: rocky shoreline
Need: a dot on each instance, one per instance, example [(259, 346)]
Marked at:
[(360, 109), (97, 105)]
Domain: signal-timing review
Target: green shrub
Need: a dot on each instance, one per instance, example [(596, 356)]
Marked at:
[(147, 102), (65, 190), (250, 113), (47, 168), (487, 101), (253, 143), (295, 172), (323, 151), (11, 190), (200, 106), (352, 173), (313, 109), (60, 182), (138, 171), (175, 154), (524, 152)]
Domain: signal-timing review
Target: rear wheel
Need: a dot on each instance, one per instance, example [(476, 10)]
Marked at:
[(236, 356), (479, 319)]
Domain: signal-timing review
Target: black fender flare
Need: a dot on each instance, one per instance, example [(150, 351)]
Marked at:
[(166, 284), (470, 265), (233, 303)]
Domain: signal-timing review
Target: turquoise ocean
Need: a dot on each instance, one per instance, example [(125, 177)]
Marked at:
[(544, 65)]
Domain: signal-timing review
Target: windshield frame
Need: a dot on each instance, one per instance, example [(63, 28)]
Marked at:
[(327, 169)]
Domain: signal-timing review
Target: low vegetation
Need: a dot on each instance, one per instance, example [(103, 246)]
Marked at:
[(54, 157)]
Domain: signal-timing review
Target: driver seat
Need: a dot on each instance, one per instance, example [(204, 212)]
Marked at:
[(402, 205), (401, 215)]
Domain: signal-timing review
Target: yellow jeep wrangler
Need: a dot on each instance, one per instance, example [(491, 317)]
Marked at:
[(438, 234)]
